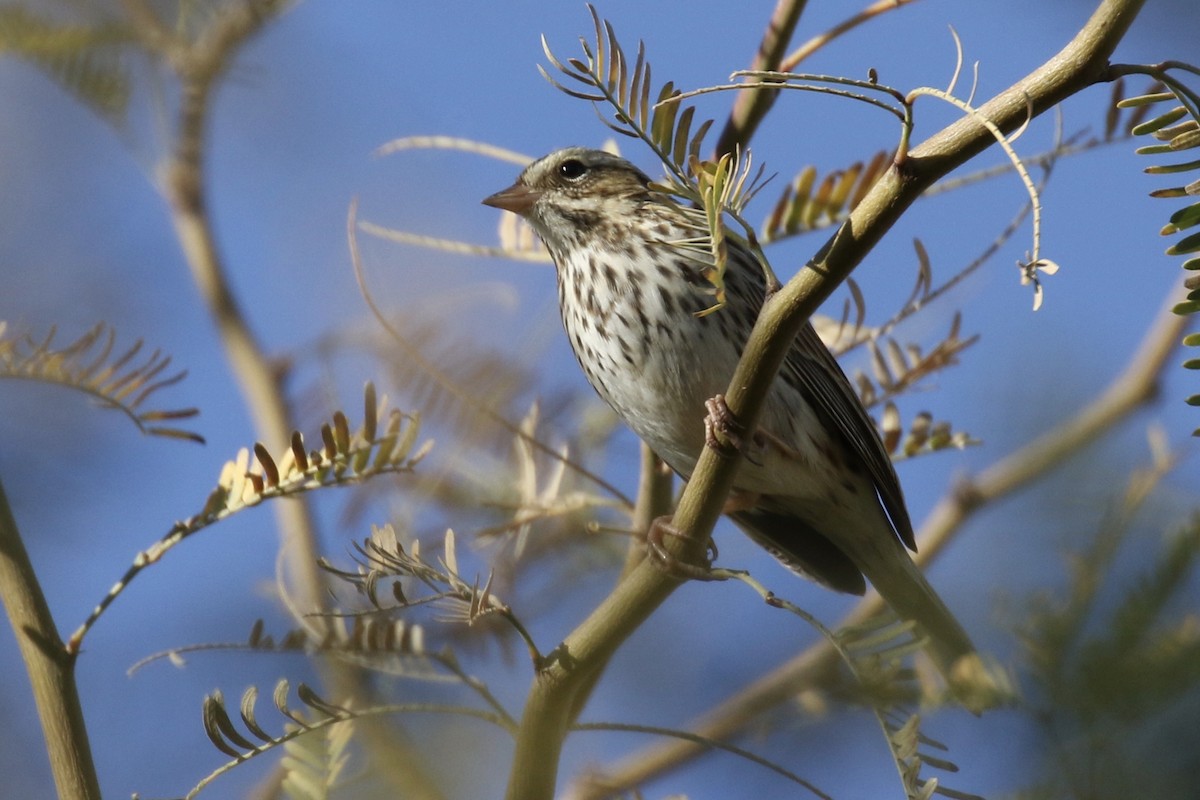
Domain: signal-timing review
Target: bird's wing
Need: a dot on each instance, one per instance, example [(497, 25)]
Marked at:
[(814, 370)]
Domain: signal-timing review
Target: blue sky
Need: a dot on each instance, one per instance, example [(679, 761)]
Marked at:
[(84, 237)]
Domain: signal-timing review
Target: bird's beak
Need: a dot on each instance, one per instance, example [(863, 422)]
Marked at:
[(517, 198)]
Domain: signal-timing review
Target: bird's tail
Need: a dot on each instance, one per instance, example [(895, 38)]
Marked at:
[(865, 547), (900, 582)]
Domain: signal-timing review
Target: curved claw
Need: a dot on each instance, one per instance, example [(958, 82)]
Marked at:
[(669, 563), (721, 420)]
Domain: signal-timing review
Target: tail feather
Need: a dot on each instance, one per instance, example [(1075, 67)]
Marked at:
[(900, 582), (858, 550)]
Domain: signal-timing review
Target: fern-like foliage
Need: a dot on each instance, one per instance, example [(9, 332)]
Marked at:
[(895, 368), (123, 380), (535, 491), (311, 768), (345, 457), (1136, 642), (374, 641), (605, 73), (807, 204), (877, 653), (922, 436), (229, 740), (718, 187), (84, 58), (911, 751), (443, 371), (413, 580), (312, 765), (1115, 676), (317, 717), (1176, 130), (315, 741)]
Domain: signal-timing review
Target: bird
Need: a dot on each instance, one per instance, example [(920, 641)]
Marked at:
[(816, 488)]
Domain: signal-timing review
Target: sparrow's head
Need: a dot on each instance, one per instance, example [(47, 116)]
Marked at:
[(572, 193)]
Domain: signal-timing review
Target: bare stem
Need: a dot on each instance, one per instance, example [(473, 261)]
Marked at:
[(797, 56), (200, 65), (655, 482), (51, 670)]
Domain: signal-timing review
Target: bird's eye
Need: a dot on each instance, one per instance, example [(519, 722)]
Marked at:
[(572, 169)]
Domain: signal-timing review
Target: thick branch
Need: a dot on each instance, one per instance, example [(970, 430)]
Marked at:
[(654, 499), (543, 727), (1074, 68), (1136, 386), (51, 670)]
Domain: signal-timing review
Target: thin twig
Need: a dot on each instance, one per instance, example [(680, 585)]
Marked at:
[(879, 7), (705, 744), (750, 107), (655, 482)]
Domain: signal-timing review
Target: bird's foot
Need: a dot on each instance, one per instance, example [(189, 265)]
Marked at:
[(722, 424), (669, 563)]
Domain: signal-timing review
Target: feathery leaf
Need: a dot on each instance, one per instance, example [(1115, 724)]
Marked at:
[(1179, 129), (123, 383), (83, 58), (346, 458)]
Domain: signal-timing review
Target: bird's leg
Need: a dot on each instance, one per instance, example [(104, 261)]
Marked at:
[(669, 563), (721, 420)]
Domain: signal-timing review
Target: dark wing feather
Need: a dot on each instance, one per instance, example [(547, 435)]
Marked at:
[(816, 372), (800, 547)]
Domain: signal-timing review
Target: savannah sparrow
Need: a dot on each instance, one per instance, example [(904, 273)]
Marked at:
[(816, 488)]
